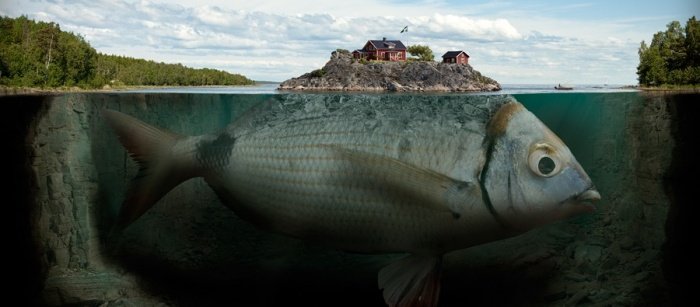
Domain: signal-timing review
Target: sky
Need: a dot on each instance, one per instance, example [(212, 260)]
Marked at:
[(514, 42)]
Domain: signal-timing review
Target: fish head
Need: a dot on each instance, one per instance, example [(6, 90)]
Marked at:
[(530, 175)]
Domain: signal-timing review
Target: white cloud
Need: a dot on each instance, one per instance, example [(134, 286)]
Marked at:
[(215, 16), (467, 28), (276, 40), (503, 53)]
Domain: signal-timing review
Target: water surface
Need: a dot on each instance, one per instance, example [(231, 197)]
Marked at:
[(271, 88)]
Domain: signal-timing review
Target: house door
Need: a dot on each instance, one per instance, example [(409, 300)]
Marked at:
[(387, 56)]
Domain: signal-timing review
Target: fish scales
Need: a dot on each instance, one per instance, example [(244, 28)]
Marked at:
[(290, 173), (424, 175)]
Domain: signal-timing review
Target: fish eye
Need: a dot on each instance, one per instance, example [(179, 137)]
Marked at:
[(546, 165), (543, 161)]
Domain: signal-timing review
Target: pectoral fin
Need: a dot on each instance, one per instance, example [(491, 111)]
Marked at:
[(412, 281), (434, 190)]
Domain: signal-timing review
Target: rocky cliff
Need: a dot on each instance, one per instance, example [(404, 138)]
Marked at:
[(343, 73)]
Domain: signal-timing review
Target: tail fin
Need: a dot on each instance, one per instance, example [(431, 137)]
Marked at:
[(159, 171), (413, 281)]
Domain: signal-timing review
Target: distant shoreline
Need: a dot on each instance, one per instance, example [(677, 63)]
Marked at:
[(681, 89), (270, 88), (8, 90)]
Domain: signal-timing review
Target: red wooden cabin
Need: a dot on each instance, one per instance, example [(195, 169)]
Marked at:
[(459, 57), (383, 50)]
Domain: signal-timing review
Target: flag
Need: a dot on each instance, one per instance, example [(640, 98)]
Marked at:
[(405, 29)]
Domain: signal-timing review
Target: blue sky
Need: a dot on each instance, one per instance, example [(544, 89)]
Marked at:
[(525, 42)]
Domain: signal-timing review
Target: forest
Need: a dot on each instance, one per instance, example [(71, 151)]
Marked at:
[(672, 57), (39, 54)]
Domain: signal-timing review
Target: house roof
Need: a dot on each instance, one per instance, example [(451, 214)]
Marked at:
[(386, 44), (453, 54)]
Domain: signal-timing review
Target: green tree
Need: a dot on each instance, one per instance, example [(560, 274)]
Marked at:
[(672, 57), (673, 46), (421, 52), (40, 54), (79, 59), (652, 68), (692, 42), (119, 70)]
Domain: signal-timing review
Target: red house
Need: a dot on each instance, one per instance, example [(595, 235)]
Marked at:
[(384, 50), (459, 57)]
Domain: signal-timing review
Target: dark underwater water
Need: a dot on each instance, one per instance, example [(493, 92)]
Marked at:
[(191, 250)]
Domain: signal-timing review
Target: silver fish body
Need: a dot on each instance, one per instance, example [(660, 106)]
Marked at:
[(310, 170), (425, 176)]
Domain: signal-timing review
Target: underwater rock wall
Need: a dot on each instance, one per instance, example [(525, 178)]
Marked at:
[(81, 173), (189, 249)]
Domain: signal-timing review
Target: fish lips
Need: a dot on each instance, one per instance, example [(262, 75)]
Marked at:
[(585, 200)]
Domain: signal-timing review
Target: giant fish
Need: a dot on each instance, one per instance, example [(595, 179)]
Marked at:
[(424, 175)]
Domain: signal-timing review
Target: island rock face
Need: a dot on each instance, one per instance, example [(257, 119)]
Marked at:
[(343, 73)]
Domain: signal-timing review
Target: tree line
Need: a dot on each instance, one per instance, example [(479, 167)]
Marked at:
[(39, 54), (673, 57)]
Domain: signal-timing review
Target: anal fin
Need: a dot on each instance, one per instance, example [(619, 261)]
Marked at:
[(413, 281)]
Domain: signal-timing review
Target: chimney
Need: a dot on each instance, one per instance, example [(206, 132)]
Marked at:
[(384, 39)]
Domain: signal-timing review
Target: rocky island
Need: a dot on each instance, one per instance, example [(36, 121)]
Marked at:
[(345, 73)]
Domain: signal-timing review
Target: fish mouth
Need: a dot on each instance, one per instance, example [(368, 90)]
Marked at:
[(586, 198)]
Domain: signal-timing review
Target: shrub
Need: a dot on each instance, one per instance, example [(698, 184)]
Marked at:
[(318, 73)]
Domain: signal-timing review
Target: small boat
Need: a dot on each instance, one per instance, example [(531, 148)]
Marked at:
[(563, 87)]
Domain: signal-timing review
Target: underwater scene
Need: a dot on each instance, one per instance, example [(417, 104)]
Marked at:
[(191, 249)]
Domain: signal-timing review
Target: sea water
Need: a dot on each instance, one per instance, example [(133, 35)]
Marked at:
[(190, 249)]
